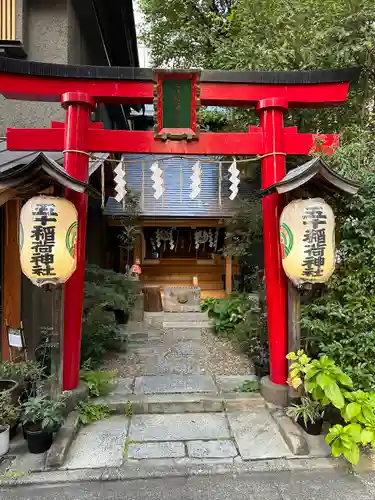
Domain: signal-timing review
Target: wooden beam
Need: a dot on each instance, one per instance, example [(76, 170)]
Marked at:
[(137, 252), (173, 222), (11, 290), (294, 329), (228, 274)]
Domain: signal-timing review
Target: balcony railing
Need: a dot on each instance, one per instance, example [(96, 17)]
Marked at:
[(7, 19)]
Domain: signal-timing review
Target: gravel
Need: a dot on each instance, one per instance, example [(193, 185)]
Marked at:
[(222, 359)]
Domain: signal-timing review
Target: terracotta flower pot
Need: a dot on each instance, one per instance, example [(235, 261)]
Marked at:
[(12, 387)]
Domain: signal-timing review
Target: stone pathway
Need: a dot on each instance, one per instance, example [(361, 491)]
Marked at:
[(171, 344), (183, 420), (174, 408)]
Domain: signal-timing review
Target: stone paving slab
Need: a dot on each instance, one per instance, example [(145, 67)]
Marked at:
[(170, 449), (101, 449), (173, 365), (124, 386), (228, 383), (178, 427), (174, 384), (212, 449), (257, 435), (100, 444)]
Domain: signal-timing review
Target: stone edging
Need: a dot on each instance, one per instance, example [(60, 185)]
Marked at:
[(56, 455), (148, 469)]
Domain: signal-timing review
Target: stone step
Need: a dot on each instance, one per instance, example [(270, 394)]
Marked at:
[(187, 324), (183, 403), (177, 316)]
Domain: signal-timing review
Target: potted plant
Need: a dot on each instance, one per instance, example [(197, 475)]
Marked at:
[(4, 439), (27, 374), (308, 414), (9, 413), (41, 417), (10, 387)]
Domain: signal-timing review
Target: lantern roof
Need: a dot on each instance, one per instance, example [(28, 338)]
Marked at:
[(31, 178), (315, 173)]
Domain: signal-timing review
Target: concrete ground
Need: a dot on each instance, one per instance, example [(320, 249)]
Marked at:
[(175, 415), (265, 486)]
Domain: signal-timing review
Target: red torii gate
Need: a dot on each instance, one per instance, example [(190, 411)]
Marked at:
[(80, 88)]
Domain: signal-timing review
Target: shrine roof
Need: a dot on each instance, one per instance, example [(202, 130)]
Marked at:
[(176, 201), (10, 159), (303, 77), (315, 173), (27, 173)]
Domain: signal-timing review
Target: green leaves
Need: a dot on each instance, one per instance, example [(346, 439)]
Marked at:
[(321, 377), (352, 410), (345, 441), (334, 394)]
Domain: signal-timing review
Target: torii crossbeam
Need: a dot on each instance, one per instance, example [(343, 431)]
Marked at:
[(80, 88)]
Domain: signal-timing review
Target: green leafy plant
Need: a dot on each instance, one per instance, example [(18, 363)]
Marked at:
[(40, 412), (105, 293), (321, 378), (128, 411), (308, 410), (23, 372), (99, 383), (9, 412), (360, 406), (91, 412), (345, 440), (248, 386)]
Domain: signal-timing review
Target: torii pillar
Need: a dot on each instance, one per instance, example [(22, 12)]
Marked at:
[(80, 88)]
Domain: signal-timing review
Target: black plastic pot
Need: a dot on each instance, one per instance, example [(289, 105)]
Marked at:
[(314, 429), (13, 430), (260, 371), (38, 441), (333, 415)]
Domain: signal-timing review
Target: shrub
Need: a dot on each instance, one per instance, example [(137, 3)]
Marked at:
[(340, 321), (98, 383), (90, 412), (240, 318), (105, 292)]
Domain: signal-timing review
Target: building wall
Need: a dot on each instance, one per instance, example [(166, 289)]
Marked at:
[(50, 33)]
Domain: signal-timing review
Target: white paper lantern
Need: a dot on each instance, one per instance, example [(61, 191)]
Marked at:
[(307, 237), (47, 239)]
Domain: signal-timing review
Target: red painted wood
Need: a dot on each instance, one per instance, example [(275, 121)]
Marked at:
[(273, 170), (96, 125), (270, 137), (32, 88), (238, 143), (78, 109), (160, 129), (298, 96)]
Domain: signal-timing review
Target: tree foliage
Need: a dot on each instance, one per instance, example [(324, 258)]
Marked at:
[(300, 35)]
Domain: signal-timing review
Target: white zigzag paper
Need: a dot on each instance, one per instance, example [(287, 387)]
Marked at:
[(196, 180), (120, 182), (158, 182), (233, 179)]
